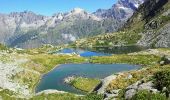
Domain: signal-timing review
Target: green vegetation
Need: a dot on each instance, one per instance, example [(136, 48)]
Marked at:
[(38, 63), (109, 40), (93, 96), (45, 62), (67, 96), (8, 95), (85, 84), (146, 95), (5, 59), (29, 78), (128, 59), (45, 49), (162, 79), (165, 60), (165, 19), (2, 47), (55, 96), (122, 81)]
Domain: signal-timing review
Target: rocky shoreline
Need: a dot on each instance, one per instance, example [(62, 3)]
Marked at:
[(130, 91)]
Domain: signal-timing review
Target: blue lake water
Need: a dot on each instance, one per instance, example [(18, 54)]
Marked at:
[(83, 53), (55, 78), (100, 51)]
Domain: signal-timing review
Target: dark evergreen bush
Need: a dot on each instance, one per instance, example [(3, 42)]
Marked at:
[(162, 79)]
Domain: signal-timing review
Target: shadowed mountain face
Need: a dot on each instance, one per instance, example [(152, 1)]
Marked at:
[(28, 30)]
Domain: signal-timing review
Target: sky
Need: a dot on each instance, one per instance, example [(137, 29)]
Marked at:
[(49, 7)]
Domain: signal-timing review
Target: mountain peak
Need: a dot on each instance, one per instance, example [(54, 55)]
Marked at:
[(77, 10)]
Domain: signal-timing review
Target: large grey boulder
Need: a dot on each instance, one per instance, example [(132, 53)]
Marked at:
[(139, 85), (130, 93), (134, 86), (146, 86), (111, 95)]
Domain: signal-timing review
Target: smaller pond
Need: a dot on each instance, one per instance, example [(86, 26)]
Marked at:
[(55, 78), (81, 52), (100, 51)]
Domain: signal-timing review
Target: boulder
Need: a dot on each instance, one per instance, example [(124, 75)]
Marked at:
[(129, 76), (69, 79), (146, 86), (115, 91), (134, 86), (139, 85), (108, 95), (154, 90), (130, 93)]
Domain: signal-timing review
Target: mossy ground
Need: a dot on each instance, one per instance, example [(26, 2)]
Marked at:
[(55, 96), (67, 96), (127, 59), (8, 95), (122, 81), (48, 61), (85, 84)]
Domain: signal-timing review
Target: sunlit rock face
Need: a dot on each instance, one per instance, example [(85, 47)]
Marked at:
[(122, 10)]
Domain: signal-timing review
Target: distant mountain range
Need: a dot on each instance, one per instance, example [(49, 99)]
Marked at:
[(29, 30)]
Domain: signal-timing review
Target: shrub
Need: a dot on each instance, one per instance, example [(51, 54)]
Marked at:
[(2, 47), (162, 79), (165, 60), (93, 96), (55, 96), (145, 95)]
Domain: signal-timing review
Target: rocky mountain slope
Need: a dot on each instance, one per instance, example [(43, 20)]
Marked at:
[(122, 10), (149, 26), (152, 22), (28, 30)]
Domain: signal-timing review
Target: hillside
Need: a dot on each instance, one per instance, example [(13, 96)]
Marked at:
[(149, 26), (151, 21)]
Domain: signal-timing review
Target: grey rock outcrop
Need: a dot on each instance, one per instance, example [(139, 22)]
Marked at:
[(130, 93), (134, 88), (105, 82), (7, 71)]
